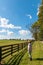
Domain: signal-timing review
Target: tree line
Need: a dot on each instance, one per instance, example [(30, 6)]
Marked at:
[(37, 27)]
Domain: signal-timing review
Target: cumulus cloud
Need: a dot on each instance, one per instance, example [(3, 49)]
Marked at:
[(6, 31), (29, 16), (24, 32), (4, 23), (2, 31), (6, 34), (10, 32), (6, 28)]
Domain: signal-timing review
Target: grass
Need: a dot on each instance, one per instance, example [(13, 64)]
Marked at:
[(8, 42), (16, 58), (37, 55)]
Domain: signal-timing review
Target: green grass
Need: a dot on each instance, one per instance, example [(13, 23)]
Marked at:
[(8, 42), (15, 58), (37, 55)]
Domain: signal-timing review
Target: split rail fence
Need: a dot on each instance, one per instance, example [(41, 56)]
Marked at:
[(10, 49)]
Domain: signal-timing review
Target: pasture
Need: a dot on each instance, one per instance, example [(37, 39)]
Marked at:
[(11, 46), (9, 42), (22, 57)]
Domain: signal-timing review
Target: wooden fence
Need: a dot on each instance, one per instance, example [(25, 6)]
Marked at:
[(10, 49)]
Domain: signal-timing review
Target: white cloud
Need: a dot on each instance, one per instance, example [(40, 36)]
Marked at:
[(24, 32), (6, 31), (4, 23), (10, 32), (6, 34), (37, 10), (29, 16), (5, 37), (2, 31)]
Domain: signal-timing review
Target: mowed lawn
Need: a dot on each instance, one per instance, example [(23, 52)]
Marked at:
[(9, 42), (37, 55)]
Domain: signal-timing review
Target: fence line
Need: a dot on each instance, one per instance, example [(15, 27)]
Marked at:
[(10, 49)]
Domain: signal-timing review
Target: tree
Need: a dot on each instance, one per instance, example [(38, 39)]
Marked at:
[(40, 19), (35, 30), (37, 27)]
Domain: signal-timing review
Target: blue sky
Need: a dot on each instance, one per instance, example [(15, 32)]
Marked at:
[(15, 15)]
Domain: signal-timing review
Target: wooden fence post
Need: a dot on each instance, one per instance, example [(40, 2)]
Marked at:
[(22, 45), (0, 55), (11, 49), (18, 47)]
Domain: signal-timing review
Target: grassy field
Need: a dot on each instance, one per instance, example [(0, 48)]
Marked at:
[(37, 55), (8, 42)]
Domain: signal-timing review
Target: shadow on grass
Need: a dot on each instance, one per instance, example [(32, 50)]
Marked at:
[(15, 60), (40, 59)]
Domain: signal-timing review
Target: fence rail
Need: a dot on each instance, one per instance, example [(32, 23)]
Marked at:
[(10, 49)]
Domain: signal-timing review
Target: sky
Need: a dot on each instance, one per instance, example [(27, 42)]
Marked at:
[(16, 16)]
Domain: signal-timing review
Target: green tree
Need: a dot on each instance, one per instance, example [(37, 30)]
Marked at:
[(37, 27), (40, 19), (35, 30)]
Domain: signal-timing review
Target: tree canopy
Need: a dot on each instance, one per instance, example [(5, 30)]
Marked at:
[(37, 27)]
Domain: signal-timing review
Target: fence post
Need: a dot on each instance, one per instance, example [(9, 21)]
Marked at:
[(11, 49), (22, 45), (18, 47), (0, 54)]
